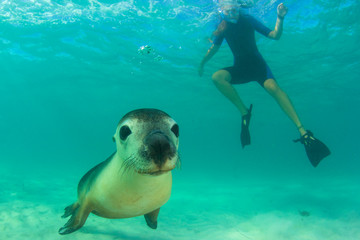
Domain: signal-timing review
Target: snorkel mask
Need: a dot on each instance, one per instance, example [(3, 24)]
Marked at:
[(231, 9), (246, 3)]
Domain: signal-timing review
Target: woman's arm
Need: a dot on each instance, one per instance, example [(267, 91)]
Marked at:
[(210, 53), (281, 12)]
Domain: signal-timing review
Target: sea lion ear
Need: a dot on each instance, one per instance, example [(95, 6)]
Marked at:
[(113, 138)]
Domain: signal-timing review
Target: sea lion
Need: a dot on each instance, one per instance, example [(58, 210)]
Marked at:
[(136, 179)]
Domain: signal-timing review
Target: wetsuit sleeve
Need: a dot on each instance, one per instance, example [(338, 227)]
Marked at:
[(259, 27)]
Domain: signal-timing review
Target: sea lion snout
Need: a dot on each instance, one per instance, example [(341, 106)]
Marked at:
[(159, 147)]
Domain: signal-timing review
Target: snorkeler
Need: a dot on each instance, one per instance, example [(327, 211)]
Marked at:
[(239, 29)]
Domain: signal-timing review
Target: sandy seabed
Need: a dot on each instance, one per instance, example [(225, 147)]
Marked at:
[(31, 206)]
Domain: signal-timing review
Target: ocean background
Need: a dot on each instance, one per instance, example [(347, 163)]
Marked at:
[(69, 70)]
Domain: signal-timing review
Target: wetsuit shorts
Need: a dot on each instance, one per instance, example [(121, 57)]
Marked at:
[(240, 76)]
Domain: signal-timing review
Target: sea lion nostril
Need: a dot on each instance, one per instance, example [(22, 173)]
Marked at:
[(159, 147), (158, 143)]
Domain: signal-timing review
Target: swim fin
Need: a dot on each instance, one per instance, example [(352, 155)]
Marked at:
[(315, 149), (245, 133)]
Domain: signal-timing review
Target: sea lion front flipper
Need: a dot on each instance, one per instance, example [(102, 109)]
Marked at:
[(151, 218), (79, 214)]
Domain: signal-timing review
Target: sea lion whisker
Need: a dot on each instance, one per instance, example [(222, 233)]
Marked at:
[(178, 162), (134, 165), (125, 165)]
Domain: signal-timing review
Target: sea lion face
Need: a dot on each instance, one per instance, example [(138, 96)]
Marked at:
[(147, 141)]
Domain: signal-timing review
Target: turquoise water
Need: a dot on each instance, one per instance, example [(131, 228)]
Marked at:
[(71, 69)]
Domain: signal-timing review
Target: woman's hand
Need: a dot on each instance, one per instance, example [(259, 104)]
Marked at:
[(281, 10)]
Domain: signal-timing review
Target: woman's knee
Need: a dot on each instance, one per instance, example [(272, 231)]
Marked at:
[(220, 76), (271, 86)]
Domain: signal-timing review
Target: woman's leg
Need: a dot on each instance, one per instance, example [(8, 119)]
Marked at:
[(315, 149), (222, 80), (283, 100)]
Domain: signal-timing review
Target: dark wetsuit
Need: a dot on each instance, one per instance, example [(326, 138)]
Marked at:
[(249, 65)]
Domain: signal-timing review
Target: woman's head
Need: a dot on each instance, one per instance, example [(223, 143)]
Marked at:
[(230, 10), (230, 13)]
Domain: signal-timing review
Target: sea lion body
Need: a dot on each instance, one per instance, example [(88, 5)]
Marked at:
[(136, 194), (135, 180)]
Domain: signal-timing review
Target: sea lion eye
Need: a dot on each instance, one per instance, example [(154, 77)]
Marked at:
[(175, 130), (124, 132)]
